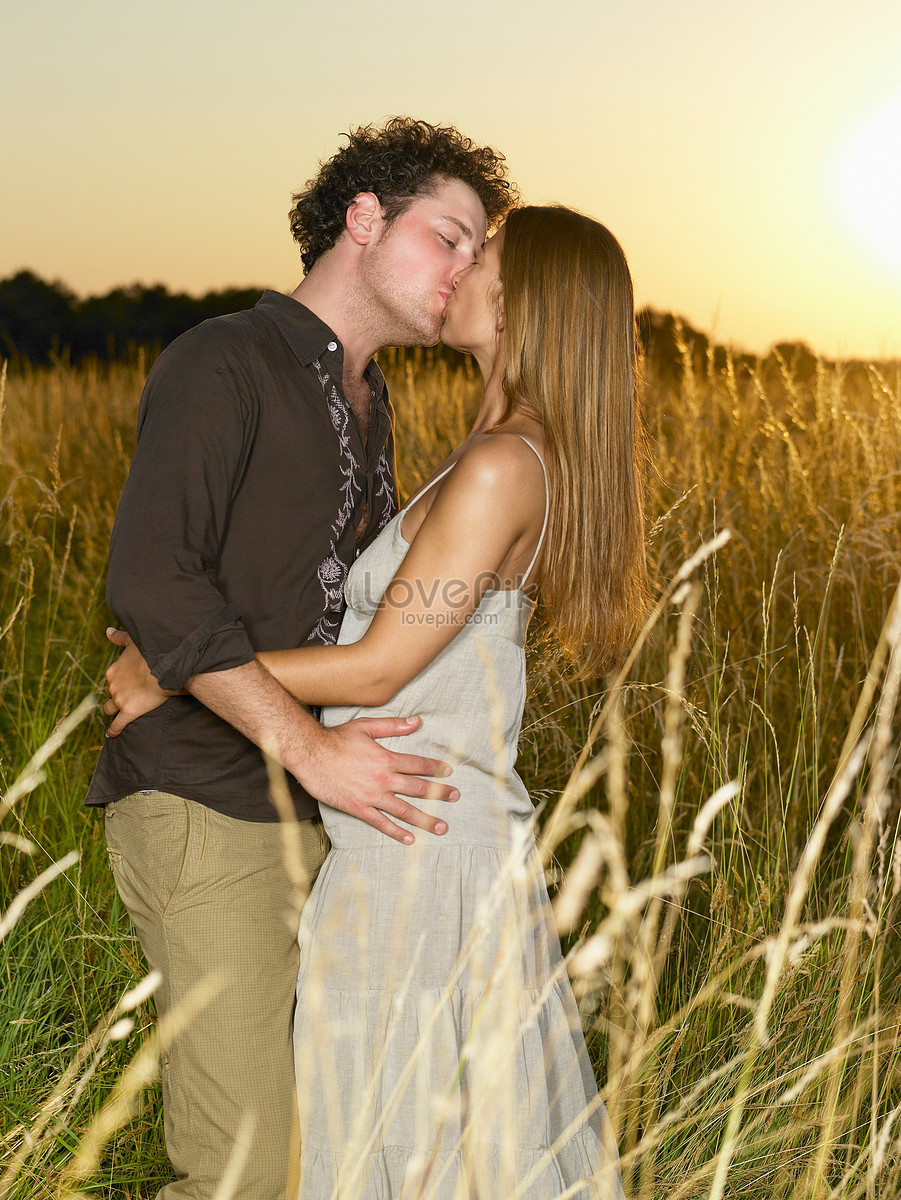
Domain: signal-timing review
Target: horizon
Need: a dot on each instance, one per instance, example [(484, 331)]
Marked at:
[(692, 331), (748, 167)]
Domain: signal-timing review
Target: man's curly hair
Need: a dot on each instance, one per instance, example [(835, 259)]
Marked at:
[(396, 162)]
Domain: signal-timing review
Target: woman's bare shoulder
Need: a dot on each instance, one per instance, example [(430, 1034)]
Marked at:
[(497, 474), (501, 458)]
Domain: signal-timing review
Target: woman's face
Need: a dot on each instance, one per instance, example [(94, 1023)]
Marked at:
[(474, 315)]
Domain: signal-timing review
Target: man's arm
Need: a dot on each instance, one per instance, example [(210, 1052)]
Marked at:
[(196, 425), (344, 766)]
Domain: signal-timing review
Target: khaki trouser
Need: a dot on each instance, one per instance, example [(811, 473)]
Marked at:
[(209, 897)]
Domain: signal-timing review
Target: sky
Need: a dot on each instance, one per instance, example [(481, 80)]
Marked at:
[(747, 156)]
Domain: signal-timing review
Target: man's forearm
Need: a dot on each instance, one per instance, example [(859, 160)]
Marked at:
[(251, 700), (344, 767)]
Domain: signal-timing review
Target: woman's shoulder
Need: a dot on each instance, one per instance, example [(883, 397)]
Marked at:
[(497, 474), (502, 458)]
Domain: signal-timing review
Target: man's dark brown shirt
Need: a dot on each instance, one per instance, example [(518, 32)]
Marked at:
[(235, 533)]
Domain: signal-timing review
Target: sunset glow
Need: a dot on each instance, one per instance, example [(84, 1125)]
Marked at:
[(747, 159), (868, 184)]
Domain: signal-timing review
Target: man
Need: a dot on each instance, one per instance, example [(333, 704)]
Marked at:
[(263, 465)]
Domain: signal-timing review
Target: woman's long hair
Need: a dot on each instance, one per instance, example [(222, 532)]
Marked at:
[(571, 364)]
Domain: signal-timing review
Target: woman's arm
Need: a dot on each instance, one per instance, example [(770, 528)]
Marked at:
[(489, 506), (485, 506)]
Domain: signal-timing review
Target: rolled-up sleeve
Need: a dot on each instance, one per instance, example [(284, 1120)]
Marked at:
[(195, 430)]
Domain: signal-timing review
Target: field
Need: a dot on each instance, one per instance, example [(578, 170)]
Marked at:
[(722, 820)]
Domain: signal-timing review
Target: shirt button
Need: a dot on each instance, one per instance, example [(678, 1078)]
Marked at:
[(333, 346)]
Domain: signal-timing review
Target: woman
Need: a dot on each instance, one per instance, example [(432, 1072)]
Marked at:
[(432, 999)]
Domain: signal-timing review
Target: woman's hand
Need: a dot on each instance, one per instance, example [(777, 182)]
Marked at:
[(133, 690)]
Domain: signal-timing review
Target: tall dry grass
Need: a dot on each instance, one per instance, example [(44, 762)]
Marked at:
[(722, 819)]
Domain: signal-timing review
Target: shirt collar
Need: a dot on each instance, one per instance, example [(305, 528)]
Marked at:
[(307, 336), (310, 338)]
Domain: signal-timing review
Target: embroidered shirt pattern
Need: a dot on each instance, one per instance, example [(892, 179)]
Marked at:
[(332, 572), (384, 486)]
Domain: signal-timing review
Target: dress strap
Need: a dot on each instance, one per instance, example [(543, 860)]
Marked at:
[(547, 509), (428, 487)]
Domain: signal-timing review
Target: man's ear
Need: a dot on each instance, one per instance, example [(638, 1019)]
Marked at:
[(364, 217)]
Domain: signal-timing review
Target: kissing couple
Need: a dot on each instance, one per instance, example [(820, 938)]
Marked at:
[(416, 1021)]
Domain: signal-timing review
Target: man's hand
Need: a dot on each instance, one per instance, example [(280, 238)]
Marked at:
[(348, 770), (132, 689)]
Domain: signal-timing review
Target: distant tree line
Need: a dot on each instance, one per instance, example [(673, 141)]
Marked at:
[(41, 321)]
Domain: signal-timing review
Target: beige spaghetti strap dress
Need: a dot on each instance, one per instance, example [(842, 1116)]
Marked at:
[(438, 1045)]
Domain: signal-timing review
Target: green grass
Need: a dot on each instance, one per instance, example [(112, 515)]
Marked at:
[(752, 675)]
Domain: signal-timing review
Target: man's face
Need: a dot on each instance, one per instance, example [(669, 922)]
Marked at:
[(411, 267)]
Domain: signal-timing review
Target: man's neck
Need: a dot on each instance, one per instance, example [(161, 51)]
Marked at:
[(327, 296)]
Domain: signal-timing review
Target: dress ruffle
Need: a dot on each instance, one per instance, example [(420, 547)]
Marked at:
[(444, 1037), (396, 1173)]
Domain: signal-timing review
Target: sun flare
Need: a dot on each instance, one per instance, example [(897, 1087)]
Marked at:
[(867, 184)]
